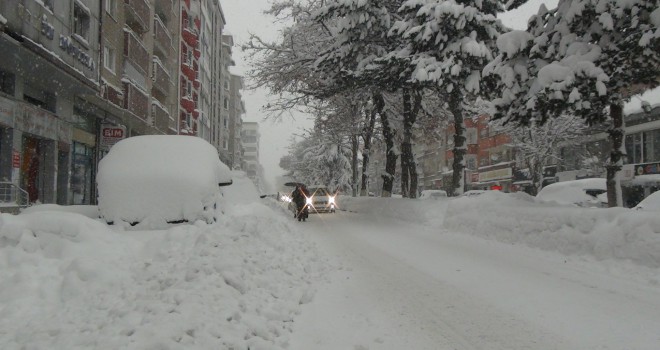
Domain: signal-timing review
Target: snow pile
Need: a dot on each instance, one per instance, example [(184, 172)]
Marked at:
[(71, 282), (155, 179), (613, 233), (429, 212), (617, 234)]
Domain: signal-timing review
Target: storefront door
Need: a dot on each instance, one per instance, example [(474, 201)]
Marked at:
[(32, 168), (81, 173)]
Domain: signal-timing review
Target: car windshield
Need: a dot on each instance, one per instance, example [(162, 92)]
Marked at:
[(319, 191)]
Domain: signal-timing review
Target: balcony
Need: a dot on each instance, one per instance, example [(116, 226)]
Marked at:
[(165, 10), (188, 72), (137, 15), (190, 37), (135, 52), (136, 101), (187, 103), (162, 38), (161, 116), (161, 78)]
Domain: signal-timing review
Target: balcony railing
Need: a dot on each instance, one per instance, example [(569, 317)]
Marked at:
[(137, 15), (161, 78), (165, 10), (162, 38), (136, 101), (190, 37), (188, 104), (135, 52), (12, 196), (161, 116)]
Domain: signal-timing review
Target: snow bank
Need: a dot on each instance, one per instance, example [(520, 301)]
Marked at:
[(71, 282), (614, 233)]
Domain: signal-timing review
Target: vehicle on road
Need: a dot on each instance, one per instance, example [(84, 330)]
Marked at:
[(322, 200)]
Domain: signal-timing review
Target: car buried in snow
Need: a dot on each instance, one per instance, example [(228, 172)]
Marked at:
[(153, 181)]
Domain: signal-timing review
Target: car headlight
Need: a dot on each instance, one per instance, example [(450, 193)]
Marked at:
[(331, 200), (309, 200)]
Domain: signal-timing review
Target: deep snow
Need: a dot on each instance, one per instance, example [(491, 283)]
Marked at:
[(260, 279)]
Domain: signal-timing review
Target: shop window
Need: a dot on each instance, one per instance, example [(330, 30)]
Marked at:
[(81, 173), (7, 82), (81, 20), (42, 99), (651, 146)]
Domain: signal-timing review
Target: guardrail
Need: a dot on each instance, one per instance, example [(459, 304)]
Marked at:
[(12, 195)]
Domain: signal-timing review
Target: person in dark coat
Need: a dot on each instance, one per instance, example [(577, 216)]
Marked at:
[(299, 196)]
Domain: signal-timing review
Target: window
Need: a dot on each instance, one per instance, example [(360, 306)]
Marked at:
[(226, 84), (49, 4), (225, 103), (109, 59), (111, 7), (80, 20), (188, 89), (225, 145), (7, 82), (189, 57), (224, 122)]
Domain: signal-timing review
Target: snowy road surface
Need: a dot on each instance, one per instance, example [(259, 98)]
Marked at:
[(400, 286)]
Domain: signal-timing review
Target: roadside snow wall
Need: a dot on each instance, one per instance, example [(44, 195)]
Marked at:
[(613, 233)]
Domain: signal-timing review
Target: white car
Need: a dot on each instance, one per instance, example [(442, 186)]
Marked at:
[(582, 193), (156, 180), (433, 194), (322, 200), (650, 203)]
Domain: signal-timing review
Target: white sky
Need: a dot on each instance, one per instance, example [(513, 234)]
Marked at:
[(244, 17)]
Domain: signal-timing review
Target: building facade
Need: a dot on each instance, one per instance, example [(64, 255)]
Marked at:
[(250, 143), (235, 122), (48, 63)]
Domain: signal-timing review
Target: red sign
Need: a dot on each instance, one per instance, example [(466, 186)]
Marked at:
[(111, 135), (15, 159)]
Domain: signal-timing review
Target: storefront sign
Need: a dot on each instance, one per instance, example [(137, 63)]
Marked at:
[(498, 174), (66, 44), (111, 134), (646, 169), (15, 159)]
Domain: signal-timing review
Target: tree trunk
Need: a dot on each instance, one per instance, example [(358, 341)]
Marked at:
[(390, 156), (355, 145), (412, 101), (616, 133), (367, 134), (455, 100)]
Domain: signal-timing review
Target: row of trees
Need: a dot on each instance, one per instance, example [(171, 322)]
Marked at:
[(389, 67)]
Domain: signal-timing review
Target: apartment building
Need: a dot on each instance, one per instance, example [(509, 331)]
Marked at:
[(48, 64), (250, 142), (235, 121)]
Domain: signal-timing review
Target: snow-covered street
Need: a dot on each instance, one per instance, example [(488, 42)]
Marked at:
[(380, 274), (402, 286)]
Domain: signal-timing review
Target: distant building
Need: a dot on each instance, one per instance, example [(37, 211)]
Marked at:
[(250, 142), (236, 112)]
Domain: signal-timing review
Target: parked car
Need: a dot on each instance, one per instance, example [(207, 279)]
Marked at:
[(433, 194), (473, 193), (650, 203), (582, 193), (156, 180)]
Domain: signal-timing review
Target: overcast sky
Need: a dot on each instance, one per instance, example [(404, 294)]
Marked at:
[(246, 16)]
